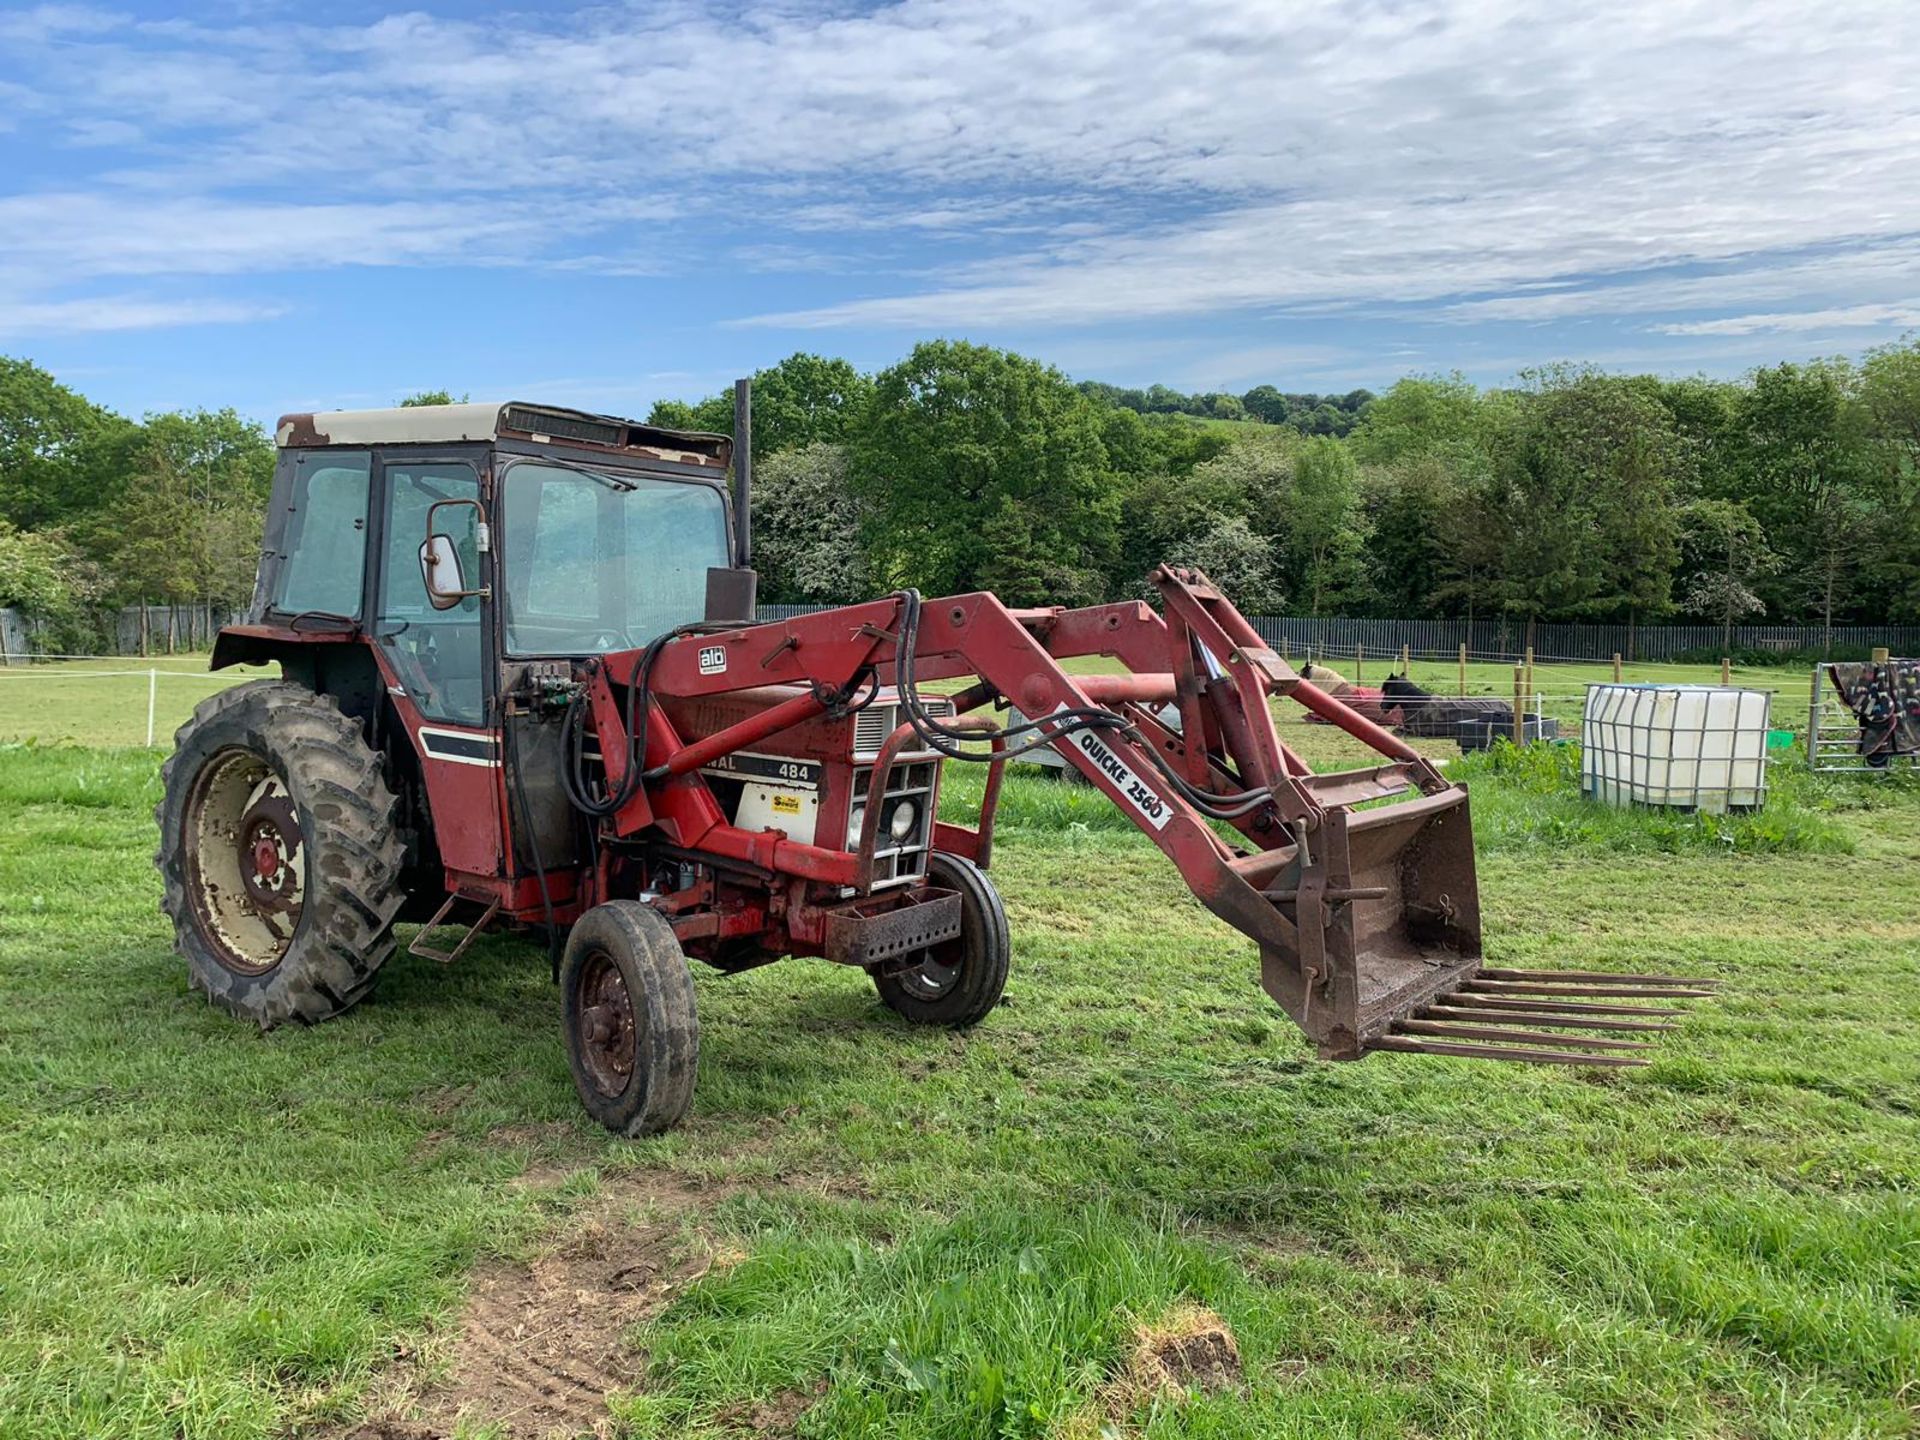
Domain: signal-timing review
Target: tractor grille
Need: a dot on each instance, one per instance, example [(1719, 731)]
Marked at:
[(897, 859), (873, 725)]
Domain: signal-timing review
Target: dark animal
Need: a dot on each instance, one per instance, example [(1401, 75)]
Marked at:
[(1438, 717)]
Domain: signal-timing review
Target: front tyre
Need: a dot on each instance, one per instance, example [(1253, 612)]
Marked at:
[(278, 854), (958, 981), (628, 1013)]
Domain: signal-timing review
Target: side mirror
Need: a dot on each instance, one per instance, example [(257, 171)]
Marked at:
[(440, 568)]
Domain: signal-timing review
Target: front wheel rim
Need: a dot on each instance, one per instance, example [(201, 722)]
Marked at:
[(608, 1027)]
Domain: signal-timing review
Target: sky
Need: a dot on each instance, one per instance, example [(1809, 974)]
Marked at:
[(284, 206)]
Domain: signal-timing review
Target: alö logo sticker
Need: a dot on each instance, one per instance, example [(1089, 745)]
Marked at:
[(1135, 791), (713, 659)]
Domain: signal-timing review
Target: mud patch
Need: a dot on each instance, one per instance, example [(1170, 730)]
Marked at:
[(1189, 1351), (541, 1344), (776, 1416)]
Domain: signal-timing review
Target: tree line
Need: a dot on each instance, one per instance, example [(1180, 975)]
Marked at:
[(1791, 494)]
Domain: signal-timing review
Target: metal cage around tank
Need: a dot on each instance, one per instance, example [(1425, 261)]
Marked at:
[(1686, 747)]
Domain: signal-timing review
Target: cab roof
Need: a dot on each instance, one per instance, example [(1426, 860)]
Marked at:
[(511, 419)]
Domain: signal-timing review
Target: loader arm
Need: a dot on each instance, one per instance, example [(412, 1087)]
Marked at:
[(1365, 919)]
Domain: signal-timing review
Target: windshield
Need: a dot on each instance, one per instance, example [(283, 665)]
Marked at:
[(596, 561)]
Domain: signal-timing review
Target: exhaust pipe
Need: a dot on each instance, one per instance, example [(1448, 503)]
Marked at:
[(743, 474), (732, 592)]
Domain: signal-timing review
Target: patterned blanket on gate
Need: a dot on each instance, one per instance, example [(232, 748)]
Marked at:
[(1885, 699)]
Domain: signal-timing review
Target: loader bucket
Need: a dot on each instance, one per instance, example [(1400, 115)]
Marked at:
[(1386, 914), (1395, 960)]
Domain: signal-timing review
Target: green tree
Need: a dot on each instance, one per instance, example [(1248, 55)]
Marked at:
[(1265, 403), (35, 571), (1238, 561), (804, 400), (60, 454), (1169, 516), (1890, 397), (982, 468), (1585, 474), (433, 397), (1326, 527), (1803, 468), (187, 529), (806, 523), (1422, 414), (1728, 553)]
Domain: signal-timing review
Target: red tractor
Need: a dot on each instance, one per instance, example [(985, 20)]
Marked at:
[(523, 687)]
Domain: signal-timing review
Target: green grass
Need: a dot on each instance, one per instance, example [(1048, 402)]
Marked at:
[(1529, 796), (208, 1232), (104, 702)]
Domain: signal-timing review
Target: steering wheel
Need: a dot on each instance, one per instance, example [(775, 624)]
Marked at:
[(609, 640)]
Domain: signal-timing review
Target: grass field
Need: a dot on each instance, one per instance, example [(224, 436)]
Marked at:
[(104, 702), (870, 1230)]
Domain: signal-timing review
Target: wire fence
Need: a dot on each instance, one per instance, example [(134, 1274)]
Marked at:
[(101, 700), (109, 701), (1509, 639)]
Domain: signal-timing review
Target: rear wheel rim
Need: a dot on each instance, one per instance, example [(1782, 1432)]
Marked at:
[(246, 861), (608, 1027)]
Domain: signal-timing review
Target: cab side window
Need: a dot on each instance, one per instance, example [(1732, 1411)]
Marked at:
[(324, 549)]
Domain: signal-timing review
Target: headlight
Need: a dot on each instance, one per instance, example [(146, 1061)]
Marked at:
[(900, 823), (855, 818)]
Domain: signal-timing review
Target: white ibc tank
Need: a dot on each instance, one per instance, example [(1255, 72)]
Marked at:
[(1701, 747)]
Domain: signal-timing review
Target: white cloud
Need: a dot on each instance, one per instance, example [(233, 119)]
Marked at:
[(111, 312), (1097, 160), (1848, 318)]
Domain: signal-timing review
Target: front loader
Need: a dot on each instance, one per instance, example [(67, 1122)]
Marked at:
[(523, 689)]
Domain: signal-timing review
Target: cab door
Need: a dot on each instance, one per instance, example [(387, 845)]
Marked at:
[(443, 678)]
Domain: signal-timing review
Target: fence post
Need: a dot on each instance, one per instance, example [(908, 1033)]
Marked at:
[(1283, 649), (1359, 664), (1529, 668), (153, 686), (1813, 719), (1463, 667), (1616, 667), (1726, 671), (1880, 654), (1405, 660), (1519, 702)]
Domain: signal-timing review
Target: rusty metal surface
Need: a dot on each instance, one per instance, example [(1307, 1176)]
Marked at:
[(1502, 1014), (863, 934)]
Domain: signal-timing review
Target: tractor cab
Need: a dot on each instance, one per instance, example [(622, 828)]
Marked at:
[(475, 551)]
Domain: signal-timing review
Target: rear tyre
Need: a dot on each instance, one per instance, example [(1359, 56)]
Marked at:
[(278, 854), (628, 1012), (958, 981)]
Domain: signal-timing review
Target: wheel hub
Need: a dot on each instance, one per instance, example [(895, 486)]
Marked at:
[(270, 842), (607, 1029)]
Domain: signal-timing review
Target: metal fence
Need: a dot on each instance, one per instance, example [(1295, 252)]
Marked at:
[(1508, 639), (189, 627), (166, 630)]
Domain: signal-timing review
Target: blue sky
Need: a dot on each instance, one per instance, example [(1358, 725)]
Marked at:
[(281, 206)]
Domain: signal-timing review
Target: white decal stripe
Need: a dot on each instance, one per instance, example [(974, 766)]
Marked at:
[(467, 737)]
